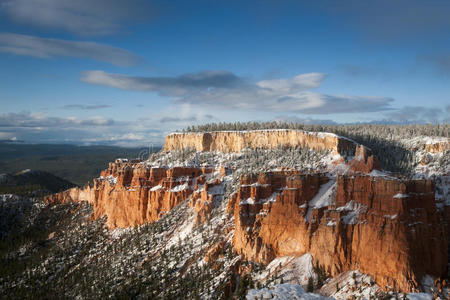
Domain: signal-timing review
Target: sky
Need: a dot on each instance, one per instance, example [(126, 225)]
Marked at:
[(127, 72)]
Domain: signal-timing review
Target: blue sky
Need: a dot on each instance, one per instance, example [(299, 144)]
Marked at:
[(128, 72)]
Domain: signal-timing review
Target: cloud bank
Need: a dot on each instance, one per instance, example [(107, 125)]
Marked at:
[(86, 107), (39, 120), (227, 90), (27, 45)]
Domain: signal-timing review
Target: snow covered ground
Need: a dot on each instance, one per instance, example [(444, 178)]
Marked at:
[(286, 291)]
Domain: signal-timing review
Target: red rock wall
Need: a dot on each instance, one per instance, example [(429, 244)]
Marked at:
[(140, 194), (396, 240)]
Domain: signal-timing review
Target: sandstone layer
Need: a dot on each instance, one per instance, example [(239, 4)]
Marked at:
[(236, 141), (385, 227)]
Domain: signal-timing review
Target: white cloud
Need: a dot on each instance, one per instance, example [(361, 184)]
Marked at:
[(27, 45), (298, 83), (226, 90)]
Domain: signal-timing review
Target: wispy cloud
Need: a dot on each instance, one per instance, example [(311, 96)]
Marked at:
[(27, 45), (168, 86), (82, 17), (186, 120), (177, 119), (86, 107), (40, 120), (308, 121), (227, 90), (417, 114)]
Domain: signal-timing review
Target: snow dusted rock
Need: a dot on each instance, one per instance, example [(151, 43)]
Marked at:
[(379, 224), (291, 269), (356, 222), (286, 291), (130, 193)]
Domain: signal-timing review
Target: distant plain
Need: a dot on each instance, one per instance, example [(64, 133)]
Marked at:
[(77, 164)]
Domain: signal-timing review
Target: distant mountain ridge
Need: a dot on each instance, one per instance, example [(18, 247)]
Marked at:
[(33, 180)]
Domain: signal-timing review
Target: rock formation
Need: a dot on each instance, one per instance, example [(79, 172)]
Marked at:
[(131, 194), (386, 227), (436, 146), (236, 141)]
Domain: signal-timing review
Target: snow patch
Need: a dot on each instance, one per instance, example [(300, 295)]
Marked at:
[(180, 187), (283, 291), (156, 188), (354, 210), (350, 283), (400, 195), (324, 197)]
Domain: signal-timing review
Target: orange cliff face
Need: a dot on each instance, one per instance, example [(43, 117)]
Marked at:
[(438, 146), (129, 193), (236, 141), (387, 228)]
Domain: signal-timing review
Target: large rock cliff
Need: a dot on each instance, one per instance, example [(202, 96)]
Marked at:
[(236, 141), (386, 227), (130, 193)]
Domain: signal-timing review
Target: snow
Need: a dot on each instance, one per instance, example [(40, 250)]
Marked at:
[(181, 233), (180, 187), (254, 184), (283, 291), (119, 232), (400, 195), (156, 188), (429, 140), (216, 190), (24, 171), (350, 283), (247, 201), (251, 201), (354, 210), (392, 217), (331, 223), (120, 160), (378, 173), (272, 198), (419, 296), (112, 180), (291, 269), (325, 197)]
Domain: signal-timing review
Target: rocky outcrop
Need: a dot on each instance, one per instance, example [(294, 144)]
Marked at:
[(236, 141), (385, 227), (130, 193), (438, 146)]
